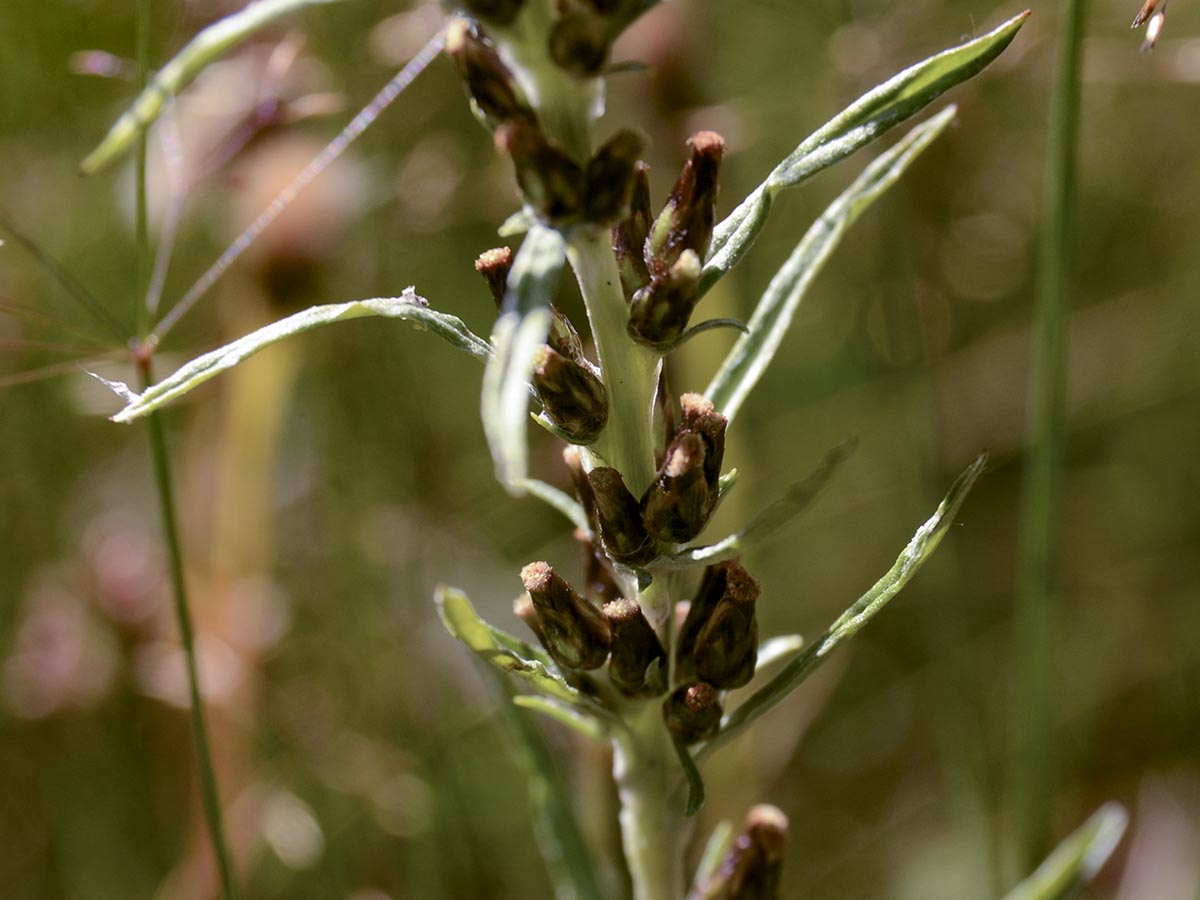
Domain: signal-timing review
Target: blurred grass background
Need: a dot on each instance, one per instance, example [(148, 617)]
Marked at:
[(327, 487)]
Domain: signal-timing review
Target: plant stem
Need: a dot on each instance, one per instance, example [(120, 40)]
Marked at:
[(652, 830), (630, 371), (187, 638), (162, 478), (1046, 424)]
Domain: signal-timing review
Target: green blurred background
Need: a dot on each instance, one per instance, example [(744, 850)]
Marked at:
[(330, 485)]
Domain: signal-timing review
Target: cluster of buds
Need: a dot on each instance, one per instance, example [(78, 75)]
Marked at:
[(581, 636), (677, 504), (660, 261), (566, 382), (717, 650), (752, 866), (560, 189)]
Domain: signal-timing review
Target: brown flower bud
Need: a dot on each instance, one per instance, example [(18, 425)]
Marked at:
[(638, 666), (579, 43), (675, 508), (752, 867), (550, 181), (686, 221), (720, 580), (693, 713), (620, 518), (583, 488), (573, 397), (494, 265), (659, 312), (701, 418), (494, 12), (524, 610), (629, 237), (612, 178), (489, 81), (726, 649), (574, 632)]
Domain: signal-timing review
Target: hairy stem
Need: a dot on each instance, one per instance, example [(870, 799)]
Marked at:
[(652, 830), (630, 371), (1040, 489)]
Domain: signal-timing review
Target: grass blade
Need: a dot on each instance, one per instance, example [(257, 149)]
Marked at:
[(408, 307), (1077, 859), (203, 49), (521, 329), (753, 352), (1047, 437), (919, 549), (556, 829), (795, 500), (897, 99)]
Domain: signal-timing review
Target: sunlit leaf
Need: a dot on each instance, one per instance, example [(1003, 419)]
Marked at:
[(1077, 859), (520, 330), (407, 307), (897, 99), (565, 714), (918, 550), (795, 500), (498, 649), (204, 48), (753, 352)]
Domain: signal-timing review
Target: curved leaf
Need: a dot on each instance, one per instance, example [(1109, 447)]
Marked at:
[(201, 50), (408, 307), (753, 352), (874, 113), (1077, 859), (498, 649), (795, 500), (918, 550), (521, 329)]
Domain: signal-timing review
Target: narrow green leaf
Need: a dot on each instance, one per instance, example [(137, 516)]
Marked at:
[(521, 329), (794, 501), (919, 549), (877, 111), (776, 650), (203, 49), (498, 649), (1077, 859), (408, 307), (718, 845), (565, 714), (695, 797), (772, 318), (556, 829), (552, 496)]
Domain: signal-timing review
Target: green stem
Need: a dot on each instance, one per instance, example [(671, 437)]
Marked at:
[(187, 638), (652, 830), (630, 371), (141, 228), (1046, 423)]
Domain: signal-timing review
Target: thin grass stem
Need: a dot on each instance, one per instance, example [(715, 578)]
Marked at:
[(1035, 610), (162, 476)]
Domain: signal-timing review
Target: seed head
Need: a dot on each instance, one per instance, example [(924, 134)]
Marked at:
[(629, 236), (686, 221), (676, 506), (573, 397), (612, 178), (550, 181), (490, 83), (620, 518)]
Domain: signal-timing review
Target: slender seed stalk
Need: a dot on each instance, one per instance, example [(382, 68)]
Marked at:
[(187, 638), (163, 482), (1046, 424)]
